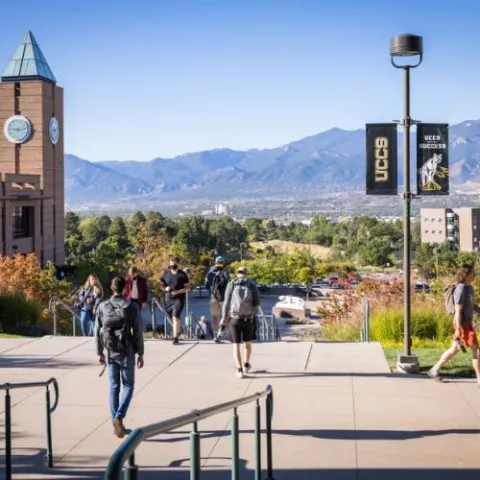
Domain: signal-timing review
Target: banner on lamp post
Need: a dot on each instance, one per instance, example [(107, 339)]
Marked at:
[(432, 159), (381, 158)]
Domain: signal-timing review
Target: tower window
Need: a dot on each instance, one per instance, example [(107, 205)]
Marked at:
[(17, 89), (23, 222)]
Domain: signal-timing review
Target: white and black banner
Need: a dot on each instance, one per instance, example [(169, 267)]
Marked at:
[(432, 159)]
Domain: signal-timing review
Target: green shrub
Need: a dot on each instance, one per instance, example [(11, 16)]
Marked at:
[(427, 323), (19, 315), (341, 332)]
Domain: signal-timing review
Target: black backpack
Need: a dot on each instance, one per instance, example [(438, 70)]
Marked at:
[(219, 285), (115, 330)]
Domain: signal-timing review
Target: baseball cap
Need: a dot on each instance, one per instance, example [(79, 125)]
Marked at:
[(242, 270), (220, 259)]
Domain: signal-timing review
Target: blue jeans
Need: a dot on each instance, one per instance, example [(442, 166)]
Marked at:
[(121, 370), (87, 322)]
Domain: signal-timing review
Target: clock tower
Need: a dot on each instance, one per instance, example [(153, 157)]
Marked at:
[(31, 157)]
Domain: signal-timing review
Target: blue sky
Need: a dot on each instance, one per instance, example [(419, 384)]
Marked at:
[(150, 78)]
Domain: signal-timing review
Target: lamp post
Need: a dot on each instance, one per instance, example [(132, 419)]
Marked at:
[(406, 45)]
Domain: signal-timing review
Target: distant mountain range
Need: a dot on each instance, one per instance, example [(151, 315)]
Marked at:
[(330, 161)]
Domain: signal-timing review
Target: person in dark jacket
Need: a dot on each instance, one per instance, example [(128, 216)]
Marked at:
[(216, 298), (89, 299), (137, 288), (121, 366)]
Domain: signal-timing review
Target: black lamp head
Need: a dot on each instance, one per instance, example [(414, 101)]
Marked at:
[(406, 45)]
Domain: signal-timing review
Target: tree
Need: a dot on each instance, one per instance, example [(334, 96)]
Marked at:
[(376, 252), (118, 232), (118, 228), (93, 230), (254, 229), (134, 223), (192, 238), (227, 234), (151, 256), (74, 245), (156, 222), (72, 224)]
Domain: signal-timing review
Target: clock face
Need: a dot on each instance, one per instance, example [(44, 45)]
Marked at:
[(54, 130), (17, 129)]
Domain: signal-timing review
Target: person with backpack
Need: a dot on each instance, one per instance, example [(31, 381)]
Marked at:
[(241, 302), (459, 302), (216, 283), (119, 331)]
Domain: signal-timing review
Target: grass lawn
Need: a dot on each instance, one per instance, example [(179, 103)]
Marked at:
[(459, 366), (5, 335)]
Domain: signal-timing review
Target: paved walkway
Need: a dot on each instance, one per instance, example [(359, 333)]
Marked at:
[(339, 413)]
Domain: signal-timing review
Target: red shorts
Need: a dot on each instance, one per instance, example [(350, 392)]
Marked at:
[(467, 335)]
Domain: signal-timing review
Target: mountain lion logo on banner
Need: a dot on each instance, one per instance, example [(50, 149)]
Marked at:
[(431, 169)]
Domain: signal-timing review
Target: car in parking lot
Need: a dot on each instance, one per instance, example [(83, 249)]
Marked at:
[(422, 287)]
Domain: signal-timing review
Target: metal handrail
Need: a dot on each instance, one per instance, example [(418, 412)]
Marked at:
[(269, 328), (8, 418), (126, 451), (156, 304), (52, 308)]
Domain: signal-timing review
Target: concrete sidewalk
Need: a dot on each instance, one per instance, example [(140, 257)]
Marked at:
[(339, 413)]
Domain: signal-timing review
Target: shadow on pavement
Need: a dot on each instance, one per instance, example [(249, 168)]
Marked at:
[(183, 436), (259, 374), (39, 362), (176, 472), (32, 461)]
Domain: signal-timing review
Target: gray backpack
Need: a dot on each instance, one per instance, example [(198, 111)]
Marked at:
[(241, 305), (448, 292)]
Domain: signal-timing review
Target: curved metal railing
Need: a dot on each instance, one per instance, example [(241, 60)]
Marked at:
[(52, 308), (268, 328), (8, 418), (125, 453)]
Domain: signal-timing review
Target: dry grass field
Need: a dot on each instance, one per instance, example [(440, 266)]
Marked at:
[(283, 246)]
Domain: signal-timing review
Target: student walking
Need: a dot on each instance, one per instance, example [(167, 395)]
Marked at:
[(175, 284), (216, 283), (241, 301), (119, 332), (88, 301), (137, 288), (465, 336)]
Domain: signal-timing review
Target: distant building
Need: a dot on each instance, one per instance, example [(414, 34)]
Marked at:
[(221, 209), (31, 157), (457, 225)]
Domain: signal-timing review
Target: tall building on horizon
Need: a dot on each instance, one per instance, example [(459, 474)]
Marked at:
[(31, 157), (461, 226)]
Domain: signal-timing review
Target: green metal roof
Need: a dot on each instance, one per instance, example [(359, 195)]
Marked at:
[(28, 63)]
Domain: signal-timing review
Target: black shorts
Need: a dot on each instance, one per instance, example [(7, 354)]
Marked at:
[(241, 330), (174, 306)]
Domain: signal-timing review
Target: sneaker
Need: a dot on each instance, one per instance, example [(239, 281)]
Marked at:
[(118, 428), (240, 373), (218, 339), (175, 341), (247, 367), (433, 374)]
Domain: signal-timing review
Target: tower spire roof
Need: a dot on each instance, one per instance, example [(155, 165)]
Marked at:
[(28, 63)]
